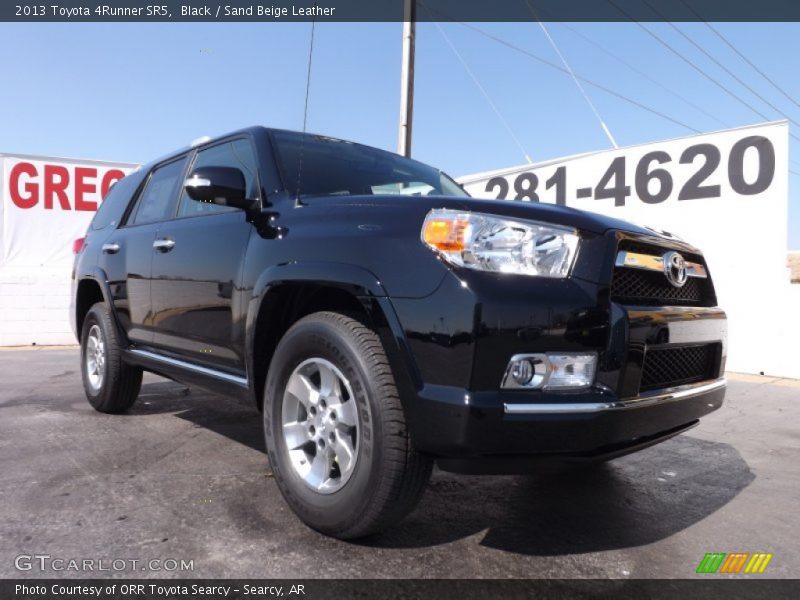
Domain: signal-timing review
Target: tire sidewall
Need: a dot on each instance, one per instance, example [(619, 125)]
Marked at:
[(340, 509), (96, 398)]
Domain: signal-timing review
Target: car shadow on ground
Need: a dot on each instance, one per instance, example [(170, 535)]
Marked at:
[(228, 417), (632, 501)]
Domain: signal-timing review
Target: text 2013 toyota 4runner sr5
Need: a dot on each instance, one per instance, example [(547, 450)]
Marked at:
[(383, 320)]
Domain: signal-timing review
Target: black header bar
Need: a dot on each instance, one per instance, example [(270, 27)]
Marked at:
[(392, 10), (743, 588)]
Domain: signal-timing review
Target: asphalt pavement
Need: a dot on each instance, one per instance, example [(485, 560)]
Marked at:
[(184, 477)]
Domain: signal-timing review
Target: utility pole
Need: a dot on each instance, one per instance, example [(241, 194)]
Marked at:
[(407, 78)]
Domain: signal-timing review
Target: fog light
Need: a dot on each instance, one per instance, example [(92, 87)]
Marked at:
[(550, 371), (522, 371), (525, 371)]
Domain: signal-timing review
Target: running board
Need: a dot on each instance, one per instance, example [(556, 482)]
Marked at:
[(187, 366)]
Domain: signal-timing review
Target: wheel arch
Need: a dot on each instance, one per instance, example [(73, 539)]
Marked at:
[(286, 293), (91, 289)]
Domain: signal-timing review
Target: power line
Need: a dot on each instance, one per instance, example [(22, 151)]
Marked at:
[(695, 67), (644, 75), (581, 77), (580, 87), (563, 70), (484, 92), (742, 56), (722, 66), (688, 61), (603, 125), (584, 79)]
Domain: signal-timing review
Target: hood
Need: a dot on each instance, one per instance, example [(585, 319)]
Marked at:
[(532, 211)]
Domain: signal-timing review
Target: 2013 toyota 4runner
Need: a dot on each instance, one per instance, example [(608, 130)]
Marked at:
[(382, 319)]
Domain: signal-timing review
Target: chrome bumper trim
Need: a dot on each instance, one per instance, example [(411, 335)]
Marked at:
[(647, 399)]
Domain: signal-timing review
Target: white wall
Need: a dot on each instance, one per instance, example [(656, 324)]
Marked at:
[(36, 242), (34, 306), (742, 230)]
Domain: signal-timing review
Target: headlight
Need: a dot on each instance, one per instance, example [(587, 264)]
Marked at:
[(492, 243)]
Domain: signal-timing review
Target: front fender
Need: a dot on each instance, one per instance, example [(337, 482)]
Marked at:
[(356, 280), (359, 282)]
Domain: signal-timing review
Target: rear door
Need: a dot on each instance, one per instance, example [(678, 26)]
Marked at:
[(128, 252), (197, 307)]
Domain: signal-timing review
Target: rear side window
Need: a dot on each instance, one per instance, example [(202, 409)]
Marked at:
[(116, 201), (156, 198)]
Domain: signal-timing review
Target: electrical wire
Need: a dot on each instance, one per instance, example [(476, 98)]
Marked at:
[(644, 75), (688, 61), (563, 70), (603, 125), (544, 61), (558, 52), (740, 54), (485, 93), (696, 68), (581, 77), (722, 66)]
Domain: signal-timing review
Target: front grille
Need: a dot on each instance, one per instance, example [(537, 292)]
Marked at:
[(636, 286), (651, 288), (679, 365)]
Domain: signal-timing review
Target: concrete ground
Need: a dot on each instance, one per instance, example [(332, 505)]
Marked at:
[(184, 476)]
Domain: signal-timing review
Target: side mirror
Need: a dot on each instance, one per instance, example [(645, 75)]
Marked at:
[(220, 185)]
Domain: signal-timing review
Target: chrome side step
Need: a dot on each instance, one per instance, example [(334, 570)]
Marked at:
[(181, 364)]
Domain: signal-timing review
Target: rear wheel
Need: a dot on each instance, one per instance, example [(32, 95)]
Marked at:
[(335, 430), (111, 385)]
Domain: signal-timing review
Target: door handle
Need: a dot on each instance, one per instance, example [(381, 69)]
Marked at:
[(110, 248), (164, 245)]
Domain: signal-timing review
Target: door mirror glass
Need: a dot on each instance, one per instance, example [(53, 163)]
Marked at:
[(219, 185)]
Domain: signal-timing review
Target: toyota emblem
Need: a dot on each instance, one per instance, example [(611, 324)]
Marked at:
[(675, 269)]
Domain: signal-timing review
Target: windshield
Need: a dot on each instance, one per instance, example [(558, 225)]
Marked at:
[(315, 165)]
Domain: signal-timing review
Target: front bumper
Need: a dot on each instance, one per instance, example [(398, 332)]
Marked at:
[(593, 424), (660, 365)]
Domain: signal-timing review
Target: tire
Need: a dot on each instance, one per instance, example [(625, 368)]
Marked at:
[(376, 481), (111, 385)]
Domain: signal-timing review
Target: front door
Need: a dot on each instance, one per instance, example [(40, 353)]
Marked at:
[(198, 312)]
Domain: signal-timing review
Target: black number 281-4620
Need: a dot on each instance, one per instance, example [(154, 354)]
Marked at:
[(654, 166)]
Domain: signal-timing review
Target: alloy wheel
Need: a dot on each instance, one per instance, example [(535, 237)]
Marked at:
[(320, 425)]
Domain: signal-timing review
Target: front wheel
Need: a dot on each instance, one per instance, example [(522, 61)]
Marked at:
[(335, 430)]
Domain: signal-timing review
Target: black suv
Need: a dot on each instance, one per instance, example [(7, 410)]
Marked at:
[(382, 319)]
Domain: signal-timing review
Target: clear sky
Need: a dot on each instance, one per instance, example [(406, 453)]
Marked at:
[(132, 92)]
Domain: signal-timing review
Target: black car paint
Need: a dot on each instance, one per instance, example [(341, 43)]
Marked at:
[(448, 332)]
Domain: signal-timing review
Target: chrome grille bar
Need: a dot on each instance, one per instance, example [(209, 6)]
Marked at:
[(652, 262)]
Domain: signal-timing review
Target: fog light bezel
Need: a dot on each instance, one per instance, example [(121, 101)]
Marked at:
[(543, 369)]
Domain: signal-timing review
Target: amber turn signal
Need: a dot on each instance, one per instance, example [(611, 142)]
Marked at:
[(446, 233)]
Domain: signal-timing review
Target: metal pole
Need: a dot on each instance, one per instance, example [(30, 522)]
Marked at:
[(407, 78)]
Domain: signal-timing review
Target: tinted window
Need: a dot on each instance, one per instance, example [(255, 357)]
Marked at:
[(116, 201), (236, 153), (318, 165), (154, 202)]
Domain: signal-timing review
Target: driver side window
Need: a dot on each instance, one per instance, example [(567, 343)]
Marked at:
[(234, 153)]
